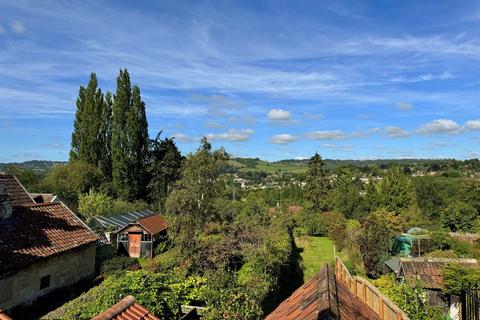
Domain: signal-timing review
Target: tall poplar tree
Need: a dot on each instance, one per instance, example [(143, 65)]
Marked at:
[(129, 140), (92, 120)]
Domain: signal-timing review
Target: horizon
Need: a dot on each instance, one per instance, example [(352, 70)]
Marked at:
[(273, 80)]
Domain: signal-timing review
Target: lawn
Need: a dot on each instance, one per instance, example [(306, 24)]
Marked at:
[(315, 252)]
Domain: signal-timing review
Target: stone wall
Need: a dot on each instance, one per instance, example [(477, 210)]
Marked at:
[(23, 287)]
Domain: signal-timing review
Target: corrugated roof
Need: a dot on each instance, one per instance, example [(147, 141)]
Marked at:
[(429, 270), (18, 195), (37, 231), (126, 309), (120, 220)]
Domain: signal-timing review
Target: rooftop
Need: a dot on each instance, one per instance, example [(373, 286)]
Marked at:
[(18, 195), (121, 220), (429, 270), (126, 309)]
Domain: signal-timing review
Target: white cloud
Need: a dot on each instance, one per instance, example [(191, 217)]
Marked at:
[(440, 126), (279, 115), (365, 133), (405, 106), (182, 137), (18, 26), (283, 138), (231, 135), (423, 77), (2, 30), (326, 135), (472, 124), (396, 132)]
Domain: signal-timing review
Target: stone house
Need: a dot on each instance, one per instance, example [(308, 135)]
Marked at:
[(43, 246)]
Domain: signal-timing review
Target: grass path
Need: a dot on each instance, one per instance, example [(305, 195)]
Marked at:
[(316, 251)]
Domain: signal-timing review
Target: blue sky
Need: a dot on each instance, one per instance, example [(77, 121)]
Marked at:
[(268, 79)]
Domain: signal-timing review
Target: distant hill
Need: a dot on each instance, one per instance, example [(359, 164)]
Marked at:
[(36, 165)]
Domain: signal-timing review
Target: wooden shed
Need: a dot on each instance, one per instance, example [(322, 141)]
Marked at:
[(135, 233)]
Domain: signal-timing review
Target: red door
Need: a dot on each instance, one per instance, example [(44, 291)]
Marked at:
[(134, 244)]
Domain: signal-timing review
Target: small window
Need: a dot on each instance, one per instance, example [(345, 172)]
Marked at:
[(123, 237), (45, 282), (146, 237)]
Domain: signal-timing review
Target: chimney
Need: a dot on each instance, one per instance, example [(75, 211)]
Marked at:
[(5, 203)]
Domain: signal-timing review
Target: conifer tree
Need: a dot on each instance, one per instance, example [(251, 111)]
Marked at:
[(317, 184), (105, 137)]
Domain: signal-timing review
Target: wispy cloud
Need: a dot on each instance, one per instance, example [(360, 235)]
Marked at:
[(18, 26), (283, 138), (440, 126), (404, 106), (396, 132), (232, 135), (326, 135)]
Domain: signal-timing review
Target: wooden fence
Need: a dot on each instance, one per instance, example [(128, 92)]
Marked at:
[(368, 293)]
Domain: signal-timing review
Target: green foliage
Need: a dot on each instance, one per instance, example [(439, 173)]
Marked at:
[(229, 299), (90, 138), (30, 179), (119, 264), (94, 204), (459, 215), (129, 140), (317, 186), (161, 293), (394, 191), (72, 179), (375, 243), (345, 196), (164, 168), (458, 277), (411, 299)]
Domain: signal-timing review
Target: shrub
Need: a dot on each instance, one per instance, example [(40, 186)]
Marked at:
[(118, 264)]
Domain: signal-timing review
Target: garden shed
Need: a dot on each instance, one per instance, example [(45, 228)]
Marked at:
[(135, 233)]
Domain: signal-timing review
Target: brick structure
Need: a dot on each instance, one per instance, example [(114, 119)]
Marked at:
[(42, 246)]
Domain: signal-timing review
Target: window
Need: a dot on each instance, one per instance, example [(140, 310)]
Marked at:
[(45, 282), (123, 237), (146, 237)]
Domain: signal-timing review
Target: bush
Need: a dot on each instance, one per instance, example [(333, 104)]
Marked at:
[(119, 264)]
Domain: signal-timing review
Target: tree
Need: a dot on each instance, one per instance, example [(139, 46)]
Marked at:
[(428, 197), (164, 168), (105, 138), (92, 120), (317, 185), (129, 140), (375, 243), (345, 195), (191, 203), (459, 215), (395, 191), (70, 180)]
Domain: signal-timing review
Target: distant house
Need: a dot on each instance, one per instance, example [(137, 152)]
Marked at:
[(429, 272), (42, 246), (136, 233)]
